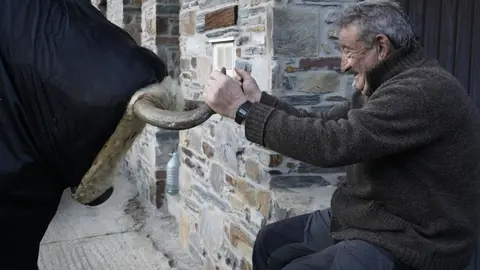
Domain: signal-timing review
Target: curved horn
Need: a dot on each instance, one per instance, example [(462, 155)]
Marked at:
[(151, 109), (146, 110)]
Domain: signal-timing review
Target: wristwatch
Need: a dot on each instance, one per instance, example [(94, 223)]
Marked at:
[(242, 112)]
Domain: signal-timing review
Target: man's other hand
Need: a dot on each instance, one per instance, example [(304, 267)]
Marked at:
[(223, 94), (249, 85)]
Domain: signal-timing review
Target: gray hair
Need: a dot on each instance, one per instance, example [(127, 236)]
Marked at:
[(375, 17)]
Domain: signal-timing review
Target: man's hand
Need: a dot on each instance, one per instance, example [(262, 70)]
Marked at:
[(249, 85), (223, 94)]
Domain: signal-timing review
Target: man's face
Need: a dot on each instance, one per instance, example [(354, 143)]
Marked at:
[(357, 57)]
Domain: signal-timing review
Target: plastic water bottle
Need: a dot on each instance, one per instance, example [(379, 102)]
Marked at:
[(173, 165)]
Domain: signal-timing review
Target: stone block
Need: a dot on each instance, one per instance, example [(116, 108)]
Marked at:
[(297, 181), (245, 264), (256, 197), (204, 69), (184, 229), (295, 31), (194, 140), (196, 255), (192, 204), (204, 4), (217, 177), (195, 166), (255, 171), (208, 149), (319, 82), (331, 15), (265, 157), (227, 145), (260, 69), (185, 180), (188, 23), (174, 206), (307, 168), (290, 202), (207, 196), (241, 240), (302, 99), (211, 223)]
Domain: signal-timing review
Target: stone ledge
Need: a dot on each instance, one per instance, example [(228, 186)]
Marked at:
[(290, 202)]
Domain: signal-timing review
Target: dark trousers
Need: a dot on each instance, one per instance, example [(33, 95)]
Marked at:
[(304, 243)]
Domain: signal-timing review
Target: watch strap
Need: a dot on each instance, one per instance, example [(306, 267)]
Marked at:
[(242, 112)]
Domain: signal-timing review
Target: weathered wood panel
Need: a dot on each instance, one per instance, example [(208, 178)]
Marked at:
[(221, 18), (450, 32)]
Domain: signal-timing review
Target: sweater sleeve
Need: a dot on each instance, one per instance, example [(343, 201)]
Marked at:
[(396, 118), (336, 112)]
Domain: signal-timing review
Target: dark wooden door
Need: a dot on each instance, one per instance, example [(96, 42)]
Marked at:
[(449, 31)]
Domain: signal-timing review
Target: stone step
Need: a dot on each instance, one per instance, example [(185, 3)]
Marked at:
[(289, 202)]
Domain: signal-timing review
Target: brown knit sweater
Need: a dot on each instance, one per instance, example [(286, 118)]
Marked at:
[(412, 152)]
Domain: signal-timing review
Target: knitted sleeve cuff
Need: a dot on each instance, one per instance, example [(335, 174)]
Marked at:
[(268, 100), (256, 121)]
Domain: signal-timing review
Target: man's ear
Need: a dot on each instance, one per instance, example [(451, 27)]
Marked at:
[(384, 46)]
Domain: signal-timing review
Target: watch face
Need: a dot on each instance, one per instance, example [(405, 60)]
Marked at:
[(242, 111)]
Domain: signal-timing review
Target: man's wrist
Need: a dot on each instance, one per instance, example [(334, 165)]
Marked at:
[(243, 112), (256, 97)]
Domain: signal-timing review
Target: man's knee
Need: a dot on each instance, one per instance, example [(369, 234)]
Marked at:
[(264, 234), (359, 254), (350, 254)]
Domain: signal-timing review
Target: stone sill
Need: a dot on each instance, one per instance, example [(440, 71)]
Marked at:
[(290, 202)]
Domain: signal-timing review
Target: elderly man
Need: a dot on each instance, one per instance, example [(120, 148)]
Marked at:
[(410, 142)]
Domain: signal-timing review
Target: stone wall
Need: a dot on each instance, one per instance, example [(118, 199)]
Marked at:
[(231, 188), (154, 25)]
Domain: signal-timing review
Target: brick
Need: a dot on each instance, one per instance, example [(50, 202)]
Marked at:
[(160, 193), (167, 41), (168, 9), (161, 174), (332, 63), (161, 26), (221, 18)]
